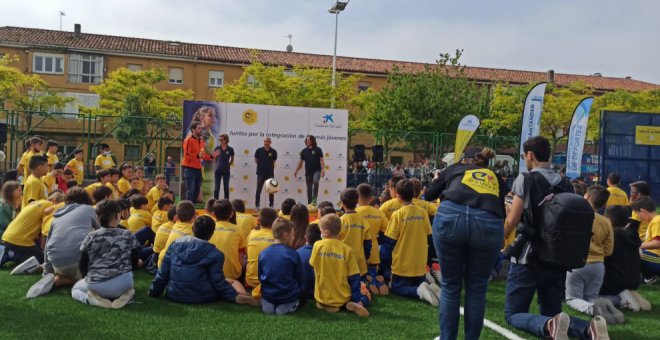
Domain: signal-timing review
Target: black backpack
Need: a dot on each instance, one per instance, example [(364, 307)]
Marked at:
[(562, 221)]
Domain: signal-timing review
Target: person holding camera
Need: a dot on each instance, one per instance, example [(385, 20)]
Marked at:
[(467, 235)]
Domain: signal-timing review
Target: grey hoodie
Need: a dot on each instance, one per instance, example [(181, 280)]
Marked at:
[(71, 223)]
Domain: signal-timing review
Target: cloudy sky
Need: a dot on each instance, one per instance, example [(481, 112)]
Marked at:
[(614, 37)]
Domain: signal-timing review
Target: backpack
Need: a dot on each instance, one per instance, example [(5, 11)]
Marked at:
[(563, 222)]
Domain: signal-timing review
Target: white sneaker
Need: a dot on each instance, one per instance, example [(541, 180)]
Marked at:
[(124, 299), (429, 278), (629, 301), (436, 290), (644, 304), (2, 254), (42, 287), (598, 329), (30, 266), (97, 300), (426, 293)]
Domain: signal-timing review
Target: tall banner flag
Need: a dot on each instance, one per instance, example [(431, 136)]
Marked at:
[(577, 134), (531, 122), (466, 128)]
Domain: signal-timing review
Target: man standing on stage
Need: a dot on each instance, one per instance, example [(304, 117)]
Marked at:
[(265, 158), (193, 154), (223, 163), (312, 155)]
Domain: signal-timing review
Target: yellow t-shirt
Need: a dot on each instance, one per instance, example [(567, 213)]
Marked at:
[(25, 162), (115, 191), (25, 228), (104, 162), (123, 185), (78, 170), (652, 232), (140, 185), (643, 226), (410, 227), (430, 208), (139, 219), (602, 239), (281, 214), (246, 223), (162, 235), (179, 229), (48, 218), (153, 196), (617, 197), (52, 159), (50, 182), (90, 188), (158, 217), (377, 224), (354, 231), (257, 241), (34, 189), (389, 207), (229, 240), (333, 262)]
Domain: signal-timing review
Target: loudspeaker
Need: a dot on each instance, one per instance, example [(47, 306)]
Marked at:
[(3, 133), (358, 153), (377, 153)]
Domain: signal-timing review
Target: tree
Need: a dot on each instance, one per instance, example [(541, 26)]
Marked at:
[(621, 100), (143, 110), (27, 93), (431, 101), (300, 86)]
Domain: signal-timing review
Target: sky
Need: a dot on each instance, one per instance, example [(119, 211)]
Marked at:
[(612, 37)]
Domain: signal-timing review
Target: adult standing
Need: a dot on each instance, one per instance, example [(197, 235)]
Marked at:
[(312, 156), (223, 163), (193, 154), (170, 169), (265, 158), (149, 165), (467, 234)]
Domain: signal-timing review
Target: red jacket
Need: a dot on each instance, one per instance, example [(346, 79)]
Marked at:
[(191, 148)]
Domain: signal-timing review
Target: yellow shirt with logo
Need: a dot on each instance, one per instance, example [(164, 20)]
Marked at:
[(153, 196), (617, 197), (115, 191), (34, 189), (52, 159), (410, 227), (246, 223), (158, 217), (25, 162), (50, 182), (104, 162), (139, 219), (257, 241), (25, 228), (333, 262), (643, 226), (49, 214), (140, 185), (389, 207), (430, 208), (123, 185), (354, 231), (652, 232), (229, 240), (377, 224), (78, 170), (602, 239), (179, 230), (162, 235), (90, 188)]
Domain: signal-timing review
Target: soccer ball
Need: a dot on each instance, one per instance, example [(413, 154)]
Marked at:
[(271, 186)]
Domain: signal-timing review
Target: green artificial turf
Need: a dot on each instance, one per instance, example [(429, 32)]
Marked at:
[(57, 315)]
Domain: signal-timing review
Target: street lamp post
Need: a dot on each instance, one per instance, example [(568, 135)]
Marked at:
[(337, 8)]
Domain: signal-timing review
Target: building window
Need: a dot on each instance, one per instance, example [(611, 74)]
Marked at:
[(363, 86), (85, 68), (290, 73), (132, 152), (176, 75), (216, 78), (134, 67), (87, 100), (48, 63)]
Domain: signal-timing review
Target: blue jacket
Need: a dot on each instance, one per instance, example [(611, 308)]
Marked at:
[(192, 273)]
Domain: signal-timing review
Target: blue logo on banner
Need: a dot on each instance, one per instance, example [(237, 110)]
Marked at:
[(328, 118)]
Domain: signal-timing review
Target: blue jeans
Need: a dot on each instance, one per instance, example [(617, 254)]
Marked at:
[(406, 286), (467, 241), (224, 178), (548, 283), (281, 309), (193, 179)]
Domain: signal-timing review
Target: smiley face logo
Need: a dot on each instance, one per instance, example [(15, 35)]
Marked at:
[(249, 117)]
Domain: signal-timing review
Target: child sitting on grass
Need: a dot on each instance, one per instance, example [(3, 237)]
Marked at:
[(108, 257), (257, 241), (159, 215), (186, 214), (337, 271), (280, 272), (287, 205), (192, 270)]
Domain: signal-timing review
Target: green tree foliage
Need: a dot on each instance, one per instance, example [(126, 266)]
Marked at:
[(143, 111), (301, 86), (27, 93), (431, 101)]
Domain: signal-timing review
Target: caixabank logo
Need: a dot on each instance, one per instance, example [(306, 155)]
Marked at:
[(244, 190), (285, 190), (287, 154), (287, 166), (245, 165), (327, 120), (326, 180), (299, 179), (340, 167)]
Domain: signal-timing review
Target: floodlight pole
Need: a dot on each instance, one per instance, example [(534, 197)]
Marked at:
[(334, 62)]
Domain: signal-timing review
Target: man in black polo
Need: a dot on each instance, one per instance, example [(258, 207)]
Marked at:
[(265, 158), (312, 156)]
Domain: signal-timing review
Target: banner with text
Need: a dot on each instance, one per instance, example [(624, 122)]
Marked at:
[(577, 134), (466, 129), (531, 122), (247, 125)]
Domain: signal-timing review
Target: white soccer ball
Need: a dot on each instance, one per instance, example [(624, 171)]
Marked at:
[(2, 156), (271, 186)]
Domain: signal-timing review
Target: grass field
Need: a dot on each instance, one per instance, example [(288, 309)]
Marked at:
[(57, 315)]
